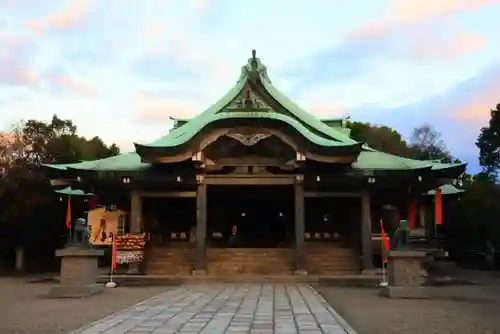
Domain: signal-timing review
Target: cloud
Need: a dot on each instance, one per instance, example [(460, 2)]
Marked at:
[(15, 53), (477, 109), (413, 12), (69, 17), (325, 110), (417, 30), (73, 86), (428, 45), (154, 107)]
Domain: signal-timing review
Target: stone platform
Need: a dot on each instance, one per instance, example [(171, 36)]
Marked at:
[(228, 308), (78, 273)]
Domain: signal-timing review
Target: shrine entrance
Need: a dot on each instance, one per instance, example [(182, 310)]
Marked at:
[(250, 216)]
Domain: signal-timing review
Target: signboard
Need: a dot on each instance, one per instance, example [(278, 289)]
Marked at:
[(103, 226)]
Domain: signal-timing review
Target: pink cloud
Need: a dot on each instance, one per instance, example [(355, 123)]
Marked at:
[(74, 86), (153, 108), (476, 110), (325, 110), (15, 53), (409, 12), (425, 45), (69, 17)]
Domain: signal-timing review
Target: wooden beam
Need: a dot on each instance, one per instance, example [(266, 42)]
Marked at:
[(59, 182), (331, 194), (249, 180), (182, 194)]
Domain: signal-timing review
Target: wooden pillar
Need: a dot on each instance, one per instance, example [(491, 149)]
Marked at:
[(201, 226), (299, 262), (135, 222), (366, 231), (135, 212), (422, 216), (19, 259)]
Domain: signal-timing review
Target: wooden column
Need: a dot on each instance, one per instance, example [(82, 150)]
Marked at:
[(366, 231), (422, 217), (135, 212), (201, 226), (300, 267), (135, 222)]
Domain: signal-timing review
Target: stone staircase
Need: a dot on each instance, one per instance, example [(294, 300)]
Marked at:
[(169, 261), (248, 261), (331, 259)]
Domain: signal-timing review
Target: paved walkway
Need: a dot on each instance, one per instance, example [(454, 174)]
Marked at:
[(227, 308)]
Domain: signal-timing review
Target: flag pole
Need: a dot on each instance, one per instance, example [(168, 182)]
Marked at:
[(111, 283), (70, 222), (384, 255)]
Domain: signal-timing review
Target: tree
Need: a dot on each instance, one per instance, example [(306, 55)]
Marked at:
[(426, 144), (488, 143), (30, 212), (381, 138)]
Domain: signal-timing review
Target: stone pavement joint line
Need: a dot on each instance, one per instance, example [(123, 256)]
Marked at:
[(227, 308)]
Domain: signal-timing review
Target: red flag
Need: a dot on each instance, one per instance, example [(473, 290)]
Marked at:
[(113, 254), (439, 207), (93, 203), (385, 241), (68, 213), (412, 213)]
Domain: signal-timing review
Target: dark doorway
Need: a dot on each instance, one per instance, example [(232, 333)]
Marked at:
[(250, 216), (331, 219), (170, 220)]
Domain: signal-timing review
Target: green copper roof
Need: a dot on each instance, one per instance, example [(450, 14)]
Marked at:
[(306, 124), (446, 189), (370, 159), (327, 133), (120, 162), (73, 192)]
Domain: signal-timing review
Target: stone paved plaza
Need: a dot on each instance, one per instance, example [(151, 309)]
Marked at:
[(227, 308)]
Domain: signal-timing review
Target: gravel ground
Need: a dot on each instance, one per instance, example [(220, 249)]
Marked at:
[(24, 309), (369, 314)]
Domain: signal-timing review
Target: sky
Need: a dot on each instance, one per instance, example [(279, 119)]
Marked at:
[(121, 68)]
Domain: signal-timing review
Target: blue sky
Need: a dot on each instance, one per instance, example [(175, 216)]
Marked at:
[(121, 68)]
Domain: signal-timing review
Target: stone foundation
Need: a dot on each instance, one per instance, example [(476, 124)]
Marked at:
[(79, 272), (405, 275)]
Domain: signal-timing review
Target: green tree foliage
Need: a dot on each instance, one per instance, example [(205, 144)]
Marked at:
[(488, 143), (381, 138), (425, 142), (30, 211)]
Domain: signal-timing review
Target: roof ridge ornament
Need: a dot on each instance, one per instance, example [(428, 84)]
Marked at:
[(254, 67)]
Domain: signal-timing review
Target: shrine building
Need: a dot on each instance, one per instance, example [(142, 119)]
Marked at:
[(257, 185)]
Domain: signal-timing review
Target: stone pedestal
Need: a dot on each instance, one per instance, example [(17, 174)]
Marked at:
[(79, 272), (404, 272)]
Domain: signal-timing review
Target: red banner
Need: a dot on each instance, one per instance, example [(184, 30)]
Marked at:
[(412, 213), (113, 255), (93, 203), (385, 242), (68, 214), (439, 207)]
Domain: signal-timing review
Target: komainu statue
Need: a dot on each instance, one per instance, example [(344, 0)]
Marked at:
[(400, 238), (79, 234)]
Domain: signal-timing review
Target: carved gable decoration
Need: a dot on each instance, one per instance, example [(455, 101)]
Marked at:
[(248, 100), (248, 139)]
